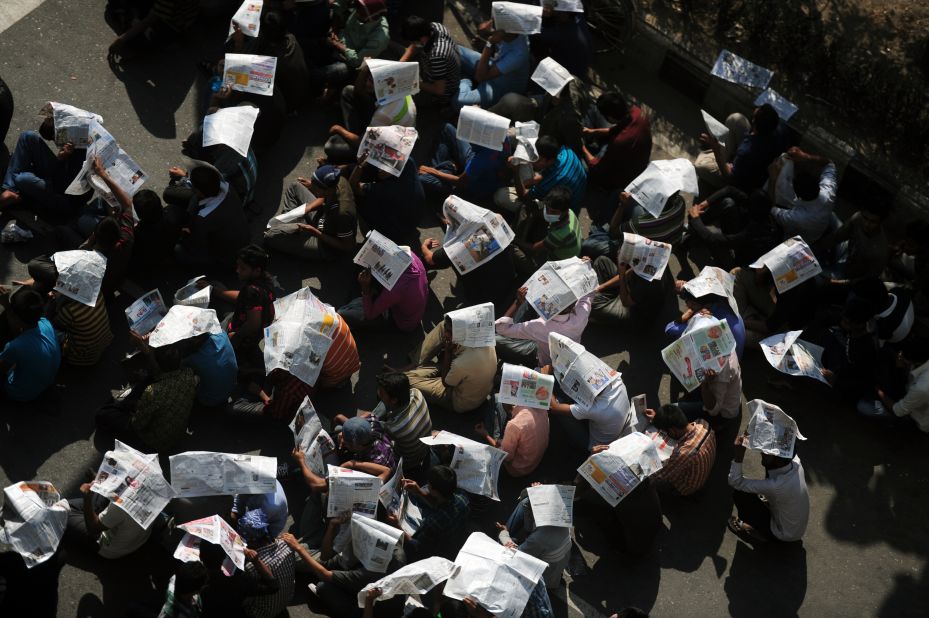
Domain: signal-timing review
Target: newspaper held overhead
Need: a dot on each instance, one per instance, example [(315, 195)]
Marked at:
[(183, 322), (660, 180), (557, 285), (250, 73), (664, 443), (500, 579), (714, 280), (80, 274), (473, 327), (191, 294), (248, 18), (203, 473), (551, 76), (388, 148), (522, 386), (615, 472), (784, 108), (72, 124), (791, 263), (477, 465), (481, 127), (34, 520), (215, 530), (705, 345), (133, 481), (415, 578), (648, 258), (791, 355), (303, 306), (770, 430), (393, 80), (582, 375), (145, 314), (232, 126), (474, 236), (715, 127), (373, 542), (312, 439), (352, 491), (384, 258), (516, 18), (552, 505), (119, 166), (738, 70), (298, 348)]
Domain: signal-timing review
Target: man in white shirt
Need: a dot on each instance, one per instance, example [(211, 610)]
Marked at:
[(913, 357), (112, 531), (606, 420), (802, 187)]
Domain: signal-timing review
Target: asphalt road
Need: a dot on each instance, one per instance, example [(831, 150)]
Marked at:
[(866, 548)]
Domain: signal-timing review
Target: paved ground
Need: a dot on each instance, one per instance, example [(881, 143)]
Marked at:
[(866, 549)]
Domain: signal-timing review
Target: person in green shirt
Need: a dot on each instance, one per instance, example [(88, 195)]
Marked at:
[(562, 235)]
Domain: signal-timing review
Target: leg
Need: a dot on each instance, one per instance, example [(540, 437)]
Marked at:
[(599, 243), (516, 524), (753, 511), (432, 344), (429, 382), (338, 151), (468, 93), (76, 526), (312, 524), (31, 153), (469, 60)]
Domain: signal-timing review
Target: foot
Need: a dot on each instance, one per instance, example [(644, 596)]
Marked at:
[(8, 198), (744, 531)]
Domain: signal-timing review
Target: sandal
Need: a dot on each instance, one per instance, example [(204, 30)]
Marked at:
[(743, 530)]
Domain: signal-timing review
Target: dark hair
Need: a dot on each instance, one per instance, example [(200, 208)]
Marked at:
[(443, 480), (559, 198), (915, 349), (872, 290), (272, 27), (189, 577), (876, 206), (106, 235), (669, 416), (26, 305), (47, 128), (206, 179), (613, 104), (211, 555), (766, 120), (759, 206), (396, 385), (547, 146), (415, 28), (806, 185), (44, 274), (857, 310), (254, 256), (147, 205)]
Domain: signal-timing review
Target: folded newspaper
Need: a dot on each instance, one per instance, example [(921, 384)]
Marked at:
[(565, 6), (203, 473), (373, 542), (391, 492), (134, 482), (516, 18), (477, 465), (294, 215), (352, 491), (648, 258), (714, 280), (413, 579), (660, 180), (145, 314), (791, 355), (34, 520), (551, 76), (310, 437), (393, 80), (784, 108), (119, 166), (715, 127), (557, 285), (738, 70), (481, 127), (80, 275), (615, 472), (473, 327), (552, 505), (212, 529), (770, 430), (388, 148), (300, 337), (192, 295), (474, 236), (384, 258), (72, 124), (581, 374), (232, 126), (791, 263), (705, 345), (522, 386), (250, 73), (664, 443), (248, 18), (183, 322)]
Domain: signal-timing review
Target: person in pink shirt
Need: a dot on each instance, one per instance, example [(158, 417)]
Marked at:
[(525, 436), (403, 306)]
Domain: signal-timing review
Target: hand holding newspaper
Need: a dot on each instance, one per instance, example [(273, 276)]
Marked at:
[(784, 108), (388, 148), (660, 180), (738, 70), (232, 126), (183, 322), (705, 345), (247, 18), (212, 529), (34, 520), (474, 236), (473, 327), (192, 295), (648, 258), (119, 166), (393, 80), (715, 128), (80, 275), (250, 73), (716, 281), (481, 127), (133, 481), (310, 437), (202, 473), (352, 491), (516, 18), (522, 386), (791, 263), (582, 375), (770, 430), (477, 465), (615, 472), (789, 354), (557, 285), (72, 124), (551, 76), (373, 542), (413, 579), (386, 261), (552, 505), (145, 314)]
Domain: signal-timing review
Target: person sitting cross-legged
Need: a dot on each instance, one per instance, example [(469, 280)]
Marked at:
[(688, 468)]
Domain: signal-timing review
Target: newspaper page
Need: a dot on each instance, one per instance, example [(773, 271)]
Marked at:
[(738, 70), (297, 348), (72, 124), (789, 354), (250, 73), (183, 322), (34, 520), (664, 443), (352, 491), (248, 18), (384, 258), (552, 505), (294, 215), (500, 579), (615, 472), (119, 166), (660, 180), (191, 294), (391, 492), (475, 235), (416, 578), (784, 108), (565, 6), (232, 126), (393, 80), (80, 274), (522, 386), (133, 481), (714, 280), (481, 127), (303, 306), (770, 430), (473, 327), (145, 313), (648, 258), (212, 529), (373, 542), (388, 148), (557, 285), (706, 344), (477, 465), (791, 263), (203, 473), (551, 76), (310, 437), (516, 18), (411, 516), (582, 375), (715, 127)]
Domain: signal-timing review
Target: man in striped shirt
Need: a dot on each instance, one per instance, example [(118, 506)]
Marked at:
[(439, 62), (688, 468), (405, 416)]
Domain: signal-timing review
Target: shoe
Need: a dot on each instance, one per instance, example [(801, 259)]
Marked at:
[(871, 408)]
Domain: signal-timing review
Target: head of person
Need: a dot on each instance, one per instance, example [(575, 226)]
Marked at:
[(548, 148), (357, 434), (556, 206), (273, 27), (874, 292), (212, 557), (806, 184), (251, 263), (47, 129), (765, 120), (325, 181), (916, 237), (147, 206), (106, 234), (759, 206), (27, 307), (253, 527), (671, 419), (393, 389), (206, 181), (914, 352), (44, 275), (699, 303), (189, 579), (443, 482), (416, 31), (447, 334), (856, 314), (873, 214), (368, 10), (614, 107)]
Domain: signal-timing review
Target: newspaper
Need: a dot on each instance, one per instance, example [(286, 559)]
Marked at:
[(500, 579), (310, 437), (248, 18), (791, 355), (660, 180), (393, 80), (705, 344), (791, 263), (352, 491), (715, 128), (582, 375), (615, 472), (411, 516), (738, 70), (145, 313), (183, 322), (770, 430), (72, 124), (481, 127), (477, 465), (298, 348), (474, 236), (516, 18), (557, 285), (473, 327), (784, 108), (391, 492), (565, 6), (119, 166), (191, 294), (133, 481), (250, 73), (522, 386), (664, 443), (415, 578), (714, 280), (373, 542), (80, 274), (212, 529), (388, 148), (552, 505), (294, 215), (203, 473), (232, 126), (384, 258), (551, 76), (34, 520), (648, 258)]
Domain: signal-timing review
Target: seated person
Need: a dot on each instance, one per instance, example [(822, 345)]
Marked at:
[(273, 505), (271, 556), (403, 306), (212, 358), (342, 360), (764, 310), (557, 166), (736, 238), (470, 171), (390, 204), (706, 164), (432, 45), (913, 401), (551, 544), (279, 397), (667, 227), (628, 144), (182, 597), (521, 431), (165, 22), (747, 169), (802, 187), (708, 304), (501, 67), (154, 235), (566, 38), (623, 297), (30, 361), (327, 229), (860, 246), (850, 355), (491, 282), (608, 418), (894, 314), (689, 466), (445, 510), (241, 172), (560, 240), (224, 594), (102, 527)]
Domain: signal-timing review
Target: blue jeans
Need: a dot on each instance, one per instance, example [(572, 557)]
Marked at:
[(599, 242), (36, 173), (489, 92), (451, 155)]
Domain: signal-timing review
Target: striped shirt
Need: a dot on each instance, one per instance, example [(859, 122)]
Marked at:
[(667, 227), (442, 61), (689, 465), (407, 426), (287, 393), (341, 360), (279, 559), (87, 331), (567, 171)]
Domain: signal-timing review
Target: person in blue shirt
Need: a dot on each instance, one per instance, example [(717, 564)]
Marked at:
[(212, 358), (718, 307), (31, 359), (273, 504), (557, 166), (501, 67), (467, 170)]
